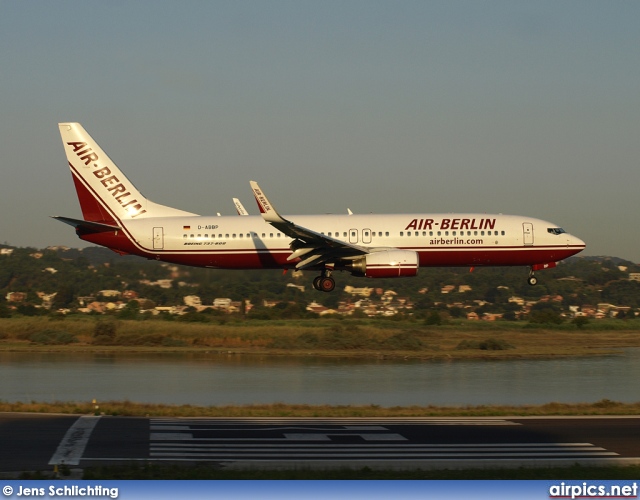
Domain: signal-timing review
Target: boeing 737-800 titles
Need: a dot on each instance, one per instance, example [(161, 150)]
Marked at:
[(116, 215)]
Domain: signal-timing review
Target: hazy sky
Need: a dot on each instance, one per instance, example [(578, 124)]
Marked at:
[(513, 107)]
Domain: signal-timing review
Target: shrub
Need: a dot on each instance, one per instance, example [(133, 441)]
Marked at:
[(485, 345), (545, 317), (337, 337), (106, 328), (308, 340), (468, 344), (494, 345), (171, 342), (434, 318), (131, 339), (404, 341), (580, 322), (52, 337)]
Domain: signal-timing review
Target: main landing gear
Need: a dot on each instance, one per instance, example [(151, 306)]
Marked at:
[(532, 279), (324, 282)]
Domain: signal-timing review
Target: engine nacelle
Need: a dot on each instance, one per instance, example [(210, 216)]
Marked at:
[(386, 264)]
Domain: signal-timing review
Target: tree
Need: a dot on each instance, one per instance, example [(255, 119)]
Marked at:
[(580, 322)]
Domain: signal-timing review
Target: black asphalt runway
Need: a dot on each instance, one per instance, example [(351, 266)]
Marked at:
[(31, 442)]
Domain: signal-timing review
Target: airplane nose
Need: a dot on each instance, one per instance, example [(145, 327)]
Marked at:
[(574, 241)]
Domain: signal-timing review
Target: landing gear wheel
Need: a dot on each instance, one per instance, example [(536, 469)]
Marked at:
[(316, 283), (532, 280), (327, 284)]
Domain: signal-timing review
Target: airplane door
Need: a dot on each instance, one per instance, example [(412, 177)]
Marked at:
[(527, 229), (353, 236), (158, 238), (366, 236)]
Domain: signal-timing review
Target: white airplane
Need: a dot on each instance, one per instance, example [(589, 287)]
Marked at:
[(116, 215)]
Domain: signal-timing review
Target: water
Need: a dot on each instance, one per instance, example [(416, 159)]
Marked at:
[(236, 379)]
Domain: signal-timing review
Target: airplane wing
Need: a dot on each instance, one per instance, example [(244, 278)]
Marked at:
[(312, 247)]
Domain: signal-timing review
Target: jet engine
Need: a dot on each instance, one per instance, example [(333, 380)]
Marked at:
[(385, 264)]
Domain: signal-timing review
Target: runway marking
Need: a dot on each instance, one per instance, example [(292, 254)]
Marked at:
[(74, 442), (184, 436), (210, 440), (190, 422)]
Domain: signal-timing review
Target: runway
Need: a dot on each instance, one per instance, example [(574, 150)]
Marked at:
[(38, 442)]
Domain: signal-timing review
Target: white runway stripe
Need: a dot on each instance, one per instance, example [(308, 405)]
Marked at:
[(230, 440), (74, 442)]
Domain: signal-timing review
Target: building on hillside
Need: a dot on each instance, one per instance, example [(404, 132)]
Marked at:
[(192, 301), (293, 285), (360, 292), (221, 303), (47, 298), (16, 297)]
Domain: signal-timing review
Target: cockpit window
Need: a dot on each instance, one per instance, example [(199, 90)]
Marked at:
[(555, 230)]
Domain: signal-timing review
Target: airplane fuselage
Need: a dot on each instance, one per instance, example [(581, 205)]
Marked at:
[(439, 239)]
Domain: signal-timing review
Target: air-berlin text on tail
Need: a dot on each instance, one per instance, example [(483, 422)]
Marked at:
[(419, 224), (119, 192)]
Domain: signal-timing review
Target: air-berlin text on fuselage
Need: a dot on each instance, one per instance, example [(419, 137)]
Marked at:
[(419, 224), (111, 182)]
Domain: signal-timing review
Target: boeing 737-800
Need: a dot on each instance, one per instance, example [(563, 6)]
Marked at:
[(116, 215)]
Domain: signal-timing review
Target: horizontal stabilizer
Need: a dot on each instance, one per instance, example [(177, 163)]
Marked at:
[(85, 225)]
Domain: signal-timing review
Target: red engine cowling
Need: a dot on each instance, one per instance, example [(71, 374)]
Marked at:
[(386, 264)]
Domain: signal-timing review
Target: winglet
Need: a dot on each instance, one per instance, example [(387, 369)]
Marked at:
[(240, 207), (267, 210)]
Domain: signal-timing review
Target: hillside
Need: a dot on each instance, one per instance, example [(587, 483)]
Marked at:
[(67, 279)]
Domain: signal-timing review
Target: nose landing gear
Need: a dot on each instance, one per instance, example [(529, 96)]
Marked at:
[(532, 279)]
